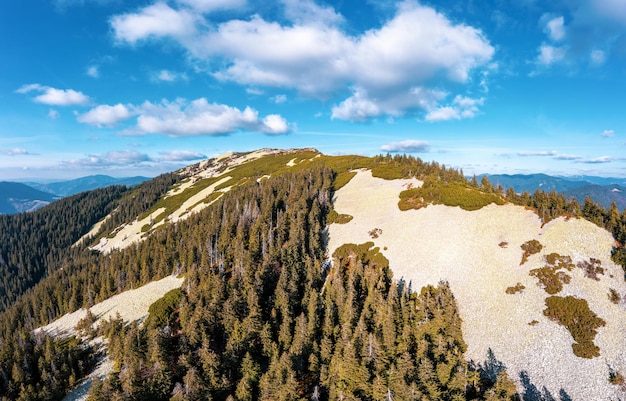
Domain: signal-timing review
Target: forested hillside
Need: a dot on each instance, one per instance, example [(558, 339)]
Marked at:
[(262, 315)]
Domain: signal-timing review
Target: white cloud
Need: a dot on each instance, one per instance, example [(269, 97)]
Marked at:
[(254, 91), (556, 28), (278, 99), (110, 159), (566, 157), (54, 96), (306, 11), (361, 107), (156, 20), (540, 153), (105, 115), (607, 133), (206, 6), (356, 108), (53, 114), (181, 156), (461, 107), (598, 57), (15, 152), (417, 48), (598, 160), (408, 146), (93, 71), (274, 124), (550, 54), (199, 117), (169, 76)]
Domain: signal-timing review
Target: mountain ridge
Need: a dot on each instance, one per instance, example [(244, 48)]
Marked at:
[(254, 235)]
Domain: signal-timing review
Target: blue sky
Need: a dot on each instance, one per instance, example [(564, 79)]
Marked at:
[(142, 87)]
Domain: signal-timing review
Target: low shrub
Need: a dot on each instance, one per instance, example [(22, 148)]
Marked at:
[(551, 279), (614, 296), (519, 287), (452, 194), (591, 268), (530, 248), (580, 321), (334, 217), (163, 311)]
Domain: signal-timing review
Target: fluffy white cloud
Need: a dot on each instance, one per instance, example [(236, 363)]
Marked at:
[(550, 54), (111, 159), (93, 71), (105, 115), (181, 156), (598, 57), (200, 117), (461, 107), (417, 48), (408, 146), (306, 11), (556, 28), (607, 133), (278, 99), (168, 76), (54, 96), (274, 124), (361, 107), (156, 20)]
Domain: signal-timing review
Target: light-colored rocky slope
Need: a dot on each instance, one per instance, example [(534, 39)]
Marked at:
[(464, 248), (134, 231), (131, 305)]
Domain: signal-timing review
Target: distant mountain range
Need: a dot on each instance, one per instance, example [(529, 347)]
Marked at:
[(603, 190), (16, 197), (71, 187)]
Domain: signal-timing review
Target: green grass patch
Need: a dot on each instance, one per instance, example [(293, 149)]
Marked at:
[(580, 321), (447, 193)]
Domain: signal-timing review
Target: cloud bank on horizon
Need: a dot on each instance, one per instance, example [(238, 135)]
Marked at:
[(146, 88)]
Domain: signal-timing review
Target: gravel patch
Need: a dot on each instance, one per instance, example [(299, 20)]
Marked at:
[(447, 243)]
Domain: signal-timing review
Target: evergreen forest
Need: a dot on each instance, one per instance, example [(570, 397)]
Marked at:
[(262, 315)]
